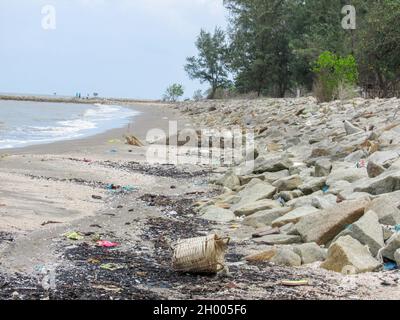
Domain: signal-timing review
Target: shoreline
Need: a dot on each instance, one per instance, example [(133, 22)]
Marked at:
[(56, 99), (147, 113)]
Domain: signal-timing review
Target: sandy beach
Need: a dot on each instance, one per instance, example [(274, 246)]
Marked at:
[(49, 191)]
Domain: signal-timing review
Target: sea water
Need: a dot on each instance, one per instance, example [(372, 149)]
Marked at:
[(28, 123)]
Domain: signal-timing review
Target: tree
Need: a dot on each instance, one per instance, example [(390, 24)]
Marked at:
[(173, 92), (210, 64)]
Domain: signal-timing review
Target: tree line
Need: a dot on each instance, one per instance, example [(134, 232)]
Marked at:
[(275, 47)]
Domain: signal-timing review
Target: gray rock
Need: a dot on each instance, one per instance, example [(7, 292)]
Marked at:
[(272, 163), (286, 257), (250, 208), (312, 185), (323, 168), (347, 253), (294, 216), (288, 183), (255, 192), (384, 158), (324, 202), (265, 217), (271, 177), (278, 239), (351, 129), (349, 174), (310, 253), (387, 210), (397, 257), (367, 231), (229, 180), (213, 213), (289, 195), (385, 183), (392, 245), (323, 226), (374, 170), (356, 156)]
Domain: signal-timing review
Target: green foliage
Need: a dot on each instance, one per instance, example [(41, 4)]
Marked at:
[(273, 45), (333, 71), (173, 92), (210, 64)]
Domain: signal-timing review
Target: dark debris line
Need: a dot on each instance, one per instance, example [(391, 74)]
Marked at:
[(148, 275)]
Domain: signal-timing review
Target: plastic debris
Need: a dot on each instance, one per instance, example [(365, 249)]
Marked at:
[(74, 236), (397, 228), (295, 283), (107, 244), (325, 189), (112, 266), (361, 164), (390, 266)]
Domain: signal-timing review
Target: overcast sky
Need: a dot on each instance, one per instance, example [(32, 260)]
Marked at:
[(119, 48)]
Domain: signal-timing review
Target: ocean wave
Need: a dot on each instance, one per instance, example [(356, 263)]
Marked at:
[(92, 121)]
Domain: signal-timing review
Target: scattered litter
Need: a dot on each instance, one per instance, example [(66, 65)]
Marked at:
[(113, 151), (390, 266), (325, 189), (397, 228), (361, 164), (97, 197), (112, 266), (133, 141), (107, 244), (117, 188), (200, 255), (295, 283), (74, 236)]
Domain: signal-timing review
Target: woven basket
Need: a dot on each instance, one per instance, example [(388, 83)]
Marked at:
[(200, 255)]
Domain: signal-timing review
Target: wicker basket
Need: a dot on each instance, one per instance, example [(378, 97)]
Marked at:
[(200, 255)]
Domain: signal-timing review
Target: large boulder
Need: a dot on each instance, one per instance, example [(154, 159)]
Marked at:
[(312, 185), (349, 254), (261, 205), (384, 158), (294, 216), (265, 217), (255, 192), (351, 128), (286, 257), (368, 231), (214, 213), (374, 170), (323, 226), (349, 174), (386, 207), (288, 183), (385, 183), (278, 239), (323, 168), (229, 180), (271, 177), (310, 253), (272, 163), (392, 245)]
